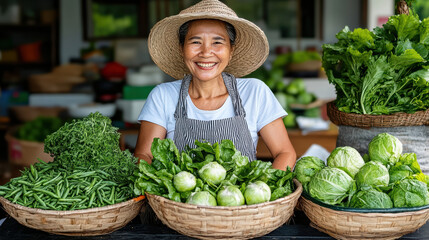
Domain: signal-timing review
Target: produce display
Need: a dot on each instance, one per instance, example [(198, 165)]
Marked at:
[(37, 129), (383, 178), (89, 169), (383, 71), (210, 175)]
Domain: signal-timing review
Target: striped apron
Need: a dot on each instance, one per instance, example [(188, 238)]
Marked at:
[(234, 128)]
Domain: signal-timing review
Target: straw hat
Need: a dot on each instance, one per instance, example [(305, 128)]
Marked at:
[(251, 45)]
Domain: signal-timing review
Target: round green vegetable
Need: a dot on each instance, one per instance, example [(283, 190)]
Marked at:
[(347, 159), (330, 185), (409, 193), (372, 174), (257, 192), (230, 196), (306, 167), (202, 198), (212, 173), (385, 148), (184, 181), (371, 199)]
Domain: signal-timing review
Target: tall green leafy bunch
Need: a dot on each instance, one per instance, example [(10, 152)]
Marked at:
[(89, 143), (381, 71), (157, 178)]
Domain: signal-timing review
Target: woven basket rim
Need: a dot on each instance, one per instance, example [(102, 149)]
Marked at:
[(367, 120), (298, 191), (306, 196), (70, 212)]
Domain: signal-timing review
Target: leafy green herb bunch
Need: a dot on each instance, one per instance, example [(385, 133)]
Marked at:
[(383, 71), (90, 143)]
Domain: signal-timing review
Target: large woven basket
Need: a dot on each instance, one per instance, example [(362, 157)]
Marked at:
[(367, 121), (87, 222), (352, 223), (242, 222)]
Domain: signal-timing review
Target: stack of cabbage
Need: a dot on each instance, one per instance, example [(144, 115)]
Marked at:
[(210, 175), (383, 178)]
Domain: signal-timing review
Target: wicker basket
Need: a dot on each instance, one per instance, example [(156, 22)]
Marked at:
[(242, 222), (350, 223), (87, 222), (367, 121)]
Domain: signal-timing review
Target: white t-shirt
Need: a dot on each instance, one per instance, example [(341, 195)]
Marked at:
[(258, 100)]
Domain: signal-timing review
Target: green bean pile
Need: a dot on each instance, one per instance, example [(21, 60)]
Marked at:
[(52, 187)]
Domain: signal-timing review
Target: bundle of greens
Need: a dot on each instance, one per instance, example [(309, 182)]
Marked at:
[(91, 142), (387, 179), (210, 174), (381, 71)]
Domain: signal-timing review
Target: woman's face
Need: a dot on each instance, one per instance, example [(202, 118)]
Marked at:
[(207, 49)]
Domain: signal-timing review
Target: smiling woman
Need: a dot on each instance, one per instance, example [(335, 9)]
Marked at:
[(208, 47)]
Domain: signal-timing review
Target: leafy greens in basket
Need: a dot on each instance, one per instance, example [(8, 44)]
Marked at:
[(216, 167), (89, 169), (383, 71)]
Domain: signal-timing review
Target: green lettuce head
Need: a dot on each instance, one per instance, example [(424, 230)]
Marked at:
[(212, 173), (230, 196), (372, 174), (410, 193), (257, 192), (385, 148), (202, 198), (330, 185), (371, 199), (306, 167), (184, 181), (347, 159)]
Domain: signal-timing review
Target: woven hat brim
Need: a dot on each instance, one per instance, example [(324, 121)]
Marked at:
[(250, 52)]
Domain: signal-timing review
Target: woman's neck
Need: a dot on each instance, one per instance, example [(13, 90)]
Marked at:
[(210, 95), (207, 89)]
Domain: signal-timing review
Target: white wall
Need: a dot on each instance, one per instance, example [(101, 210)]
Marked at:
[(71, 34), (377, 9), (338, 14)]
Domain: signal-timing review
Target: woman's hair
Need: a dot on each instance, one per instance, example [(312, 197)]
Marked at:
[(183, 30)]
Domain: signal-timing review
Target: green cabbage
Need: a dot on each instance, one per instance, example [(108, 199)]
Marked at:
[(306, 167), (409, 193), (257, 192), (347, 159), (385, 148), (371, 199), (372, 174), (212, 173), (230, 196), (184, 181), (330, 185), (202, 198)]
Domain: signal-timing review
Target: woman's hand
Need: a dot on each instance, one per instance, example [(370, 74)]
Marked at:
[(277, 140), (148, 131)]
